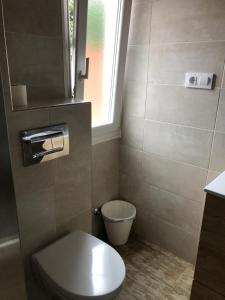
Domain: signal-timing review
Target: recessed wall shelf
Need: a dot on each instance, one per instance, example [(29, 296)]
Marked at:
[(45, 103)]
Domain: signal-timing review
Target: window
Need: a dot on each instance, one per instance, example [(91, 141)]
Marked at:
[(97, 32)]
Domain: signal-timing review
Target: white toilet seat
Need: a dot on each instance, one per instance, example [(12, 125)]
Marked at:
[(80, 266)]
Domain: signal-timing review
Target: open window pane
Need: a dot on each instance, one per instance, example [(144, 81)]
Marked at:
[(94, 28), (72, 18), (102, 49)]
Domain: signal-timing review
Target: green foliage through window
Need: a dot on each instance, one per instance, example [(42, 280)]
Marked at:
[(71, 8), (96, 22)]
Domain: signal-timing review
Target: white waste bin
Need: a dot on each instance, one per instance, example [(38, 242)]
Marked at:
[(118, 217)]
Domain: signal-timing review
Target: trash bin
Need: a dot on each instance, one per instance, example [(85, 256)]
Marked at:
[(118, 217)]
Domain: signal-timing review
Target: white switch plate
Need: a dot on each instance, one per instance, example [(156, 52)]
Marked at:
[(199, 80)]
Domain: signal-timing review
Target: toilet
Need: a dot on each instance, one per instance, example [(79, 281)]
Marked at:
[(79, 266)]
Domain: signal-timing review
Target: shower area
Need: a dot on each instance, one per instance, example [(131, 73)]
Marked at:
[(8, 217)]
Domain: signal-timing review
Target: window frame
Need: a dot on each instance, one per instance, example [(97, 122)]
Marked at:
[(110, 130)]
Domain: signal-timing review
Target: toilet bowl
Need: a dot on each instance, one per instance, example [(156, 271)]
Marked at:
[(80, 266)]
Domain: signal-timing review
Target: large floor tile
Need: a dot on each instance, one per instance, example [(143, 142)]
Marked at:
[(153, 273)]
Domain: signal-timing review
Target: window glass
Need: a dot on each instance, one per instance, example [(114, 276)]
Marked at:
[(102, 44), (101, 47), (72, 39)]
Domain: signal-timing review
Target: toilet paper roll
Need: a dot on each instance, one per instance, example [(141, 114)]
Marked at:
[(19, 95)]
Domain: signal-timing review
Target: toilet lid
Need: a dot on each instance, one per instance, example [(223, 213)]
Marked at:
[(81, 265)]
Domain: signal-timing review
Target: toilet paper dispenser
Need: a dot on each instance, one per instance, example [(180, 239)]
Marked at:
[(44, 144)]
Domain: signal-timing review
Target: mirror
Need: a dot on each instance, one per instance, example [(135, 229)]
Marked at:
[(35, 40)]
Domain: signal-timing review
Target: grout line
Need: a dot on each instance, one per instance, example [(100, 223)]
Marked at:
[(146, 88), (177, 85), (187, 42), (168, 84), (180, 43), (214, 130), (180, 125), (165, 158), (128, 116), (148, 153), (166, 190), (139, 46)]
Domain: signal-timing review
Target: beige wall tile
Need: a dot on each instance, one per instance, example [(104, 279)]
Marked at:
[(187, 21), (130, 160), (37, 222), (137, 63), (181, 179), (185, 36), (34, 53), (78, 118), (105, 172), (180, 143), (40, 17), (177, 210), (35, 60), (169, 62), (134, 98), (179, 105), (212, 175), (140, 19), (73, 184), (217, 162), (169, 237), (132, 132), (71, 199), (129, 183), (220, 120), (105, 178), (32, 179), (80, 222)]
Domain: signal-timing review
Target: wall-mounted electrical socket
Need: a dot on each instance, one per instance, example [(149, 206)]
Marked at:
[(199, 80)]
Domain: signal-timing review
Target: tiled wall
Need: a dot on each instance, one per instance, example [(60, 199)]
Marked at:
[(105, 178), (52, 198), (34, 42), (56, 197), (173, 138)]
